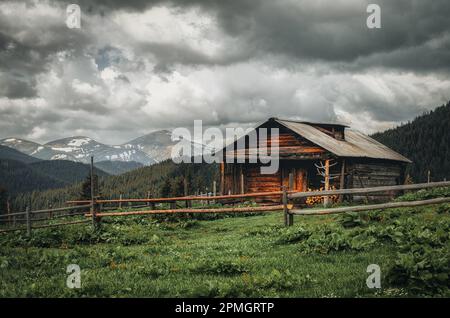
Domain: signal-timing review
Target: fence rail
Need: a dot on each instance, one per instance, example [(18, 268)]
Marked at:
[(187, 198), (359, 208), (269, 208), (289, 213), (287, 206), (404, 187), (47, 210)]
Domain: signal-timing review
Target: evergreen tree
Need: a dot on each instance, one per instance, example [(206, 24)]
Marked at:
[(85, 193)]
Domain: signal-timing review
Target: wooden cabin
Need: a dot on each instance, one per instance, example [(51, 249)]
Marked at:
[(308, 151)]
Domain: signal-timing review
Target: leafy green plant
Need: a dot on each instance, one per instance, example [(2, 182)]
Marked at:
[(351, 219), (221, 267), (422, 270)]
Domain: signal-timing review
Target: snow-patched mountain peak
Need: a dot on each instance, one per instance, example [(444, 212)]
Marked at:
[(28, 147), (147, 149), (82, 148)]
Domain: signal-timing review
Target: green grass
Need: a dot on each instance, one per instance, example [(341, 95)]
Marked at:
[(247, 256)]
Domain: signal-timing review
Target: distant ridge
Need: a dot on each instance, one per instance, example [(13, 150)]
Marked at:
[(426, 141)]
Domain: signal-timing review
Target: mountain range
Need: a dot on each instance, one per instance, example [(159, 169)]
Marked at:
[(146, 150)]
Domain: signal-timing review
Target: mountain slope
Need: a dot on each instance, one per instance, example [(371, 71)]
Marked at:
[(426, 141), (158, 145), (21, 173), (161, 179), (118, 167), (13, 154), (34, 149), (66, 171), (16, 176)]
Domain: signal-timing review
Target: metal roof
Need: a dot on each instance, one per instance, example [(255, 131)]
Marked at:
[(311, 122), (355, 144)]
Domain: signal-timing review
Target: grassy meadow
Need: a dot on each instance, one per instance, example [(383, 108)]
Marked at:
[(237, 256)]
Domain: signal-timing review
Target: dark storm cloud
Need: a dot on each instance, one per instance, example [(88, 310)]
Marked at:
[(16, 88), (241, 62), (333, 31), (27, 52)]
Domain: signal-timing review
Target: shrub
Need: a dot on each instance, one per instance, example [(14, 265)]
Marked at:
[(351, 219), (221, 267), (422, 270)]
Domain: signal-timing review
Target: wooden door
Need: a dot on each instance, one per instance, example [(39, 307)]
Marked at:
[(299, 178)]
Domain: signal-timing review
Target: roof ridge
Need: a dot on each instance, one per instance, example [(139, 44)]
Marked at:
[(310, 122)]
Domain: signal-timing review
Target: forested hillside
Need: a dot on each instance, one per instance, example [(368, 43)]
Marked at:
[(161, 180), (426, 141), (13, 154), (118, 167), (16, 176), (22, 173), (66, 171)]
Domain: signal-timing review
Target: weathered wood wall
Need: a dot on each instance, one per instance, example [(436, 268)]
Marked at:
[(365, 173), (291, 146)]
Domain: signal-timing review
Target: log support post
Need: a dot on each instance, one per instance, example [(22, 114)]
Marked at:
[(342, 181), (326, 199)]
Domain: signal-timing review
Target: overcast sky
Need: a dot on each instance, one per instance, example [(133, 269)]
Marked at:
[(138, 66)]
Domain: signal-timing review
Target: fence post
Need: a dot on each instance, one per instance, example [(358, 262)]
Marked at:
[(285, 208), (95, 224), (8, 210), (214, 190), (429, 176), (148, 197), (151, 204), (186, 192), (120, 201), (13, 219), (28, 219), (290, 217)]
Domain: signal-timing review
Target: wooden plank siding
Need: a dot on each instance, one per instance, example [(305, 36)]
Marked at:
[(371, 173), (290, 147)]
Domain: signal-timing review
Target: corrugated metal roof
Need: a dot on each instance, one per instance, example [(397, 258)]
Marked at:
[(355, 144)]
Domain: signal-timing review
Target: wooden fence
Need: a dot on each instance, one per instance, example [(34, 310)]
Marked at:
[(288, 198), (365, 207), (287, 206), (30, 221)]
